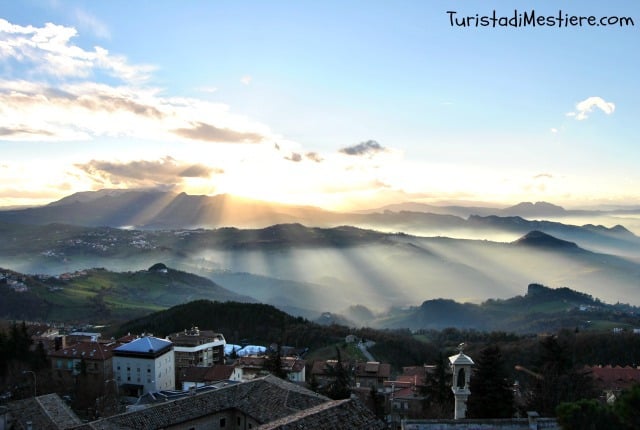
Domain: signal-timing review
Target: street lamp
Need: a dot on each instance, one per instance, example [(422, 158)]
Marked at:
[(35, 381)]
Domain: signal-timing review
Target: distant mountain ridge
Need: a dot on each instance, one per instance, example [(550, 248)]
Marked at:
[(161, 210), (538, 238), (310, 270)]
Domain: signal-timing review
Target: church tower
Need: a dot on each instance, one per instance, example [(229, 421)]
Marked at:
[(461, 368)]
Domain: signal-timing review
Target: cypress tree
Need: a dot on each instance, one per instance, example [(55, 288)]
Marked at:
[(491, 391)]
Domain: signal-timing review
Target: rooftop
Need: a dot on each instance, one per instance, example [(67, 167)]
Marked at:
[(87, 350), (144, 345)]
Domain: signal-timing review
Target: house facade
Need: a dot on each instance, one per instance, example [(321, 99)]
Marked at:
[(254, 367), (93, 359), (195, 347), (145, 365)]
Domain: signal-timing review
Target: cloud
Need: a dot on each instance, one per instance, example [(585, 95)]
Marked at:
[(90, 22), (210, 133), (295, 157), (209, 90), (246, 80), (585, 107), (144, 173), (22, 131), (369, 147), (313, 156), (49, 91), (48, 51), (543, 175)]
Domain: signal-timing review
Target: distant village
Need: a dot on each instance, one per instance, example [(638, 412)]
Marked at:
[(194, 379)]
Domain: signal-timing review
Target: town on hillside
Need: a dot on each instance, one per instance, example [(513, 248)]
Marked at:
[(62, 379)]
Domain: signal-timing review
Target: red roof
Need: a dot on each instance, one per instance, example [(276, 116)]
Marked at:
[(614, 378), (87, 350), (217, 372)]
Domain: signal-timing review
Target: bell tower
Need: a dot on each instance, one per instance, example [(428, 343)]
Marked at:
[(461, 369)]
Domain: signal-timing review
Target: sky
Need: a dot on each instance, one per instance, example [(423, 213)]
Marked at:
[(336, 104)]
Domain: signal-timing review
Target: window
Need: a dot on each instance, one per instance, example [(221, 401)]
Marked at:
[(238, 420), (223, 422)]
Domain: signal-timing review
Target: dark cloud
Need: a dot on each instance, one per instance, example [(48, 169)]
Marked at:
[(144, 172), (116, 104), (364, 148), (543, 175), (20, 131), (295, 157), (210, 133), (93, 102), (199, 171), (313, 156)]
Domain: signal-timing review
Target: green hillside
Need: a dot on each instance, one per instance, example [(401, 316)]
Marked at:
[(98, 295)]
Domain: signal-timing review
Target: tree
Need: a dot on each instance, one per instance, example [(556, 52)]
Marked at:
[(438, 398), (377, 402), (627, 407), (339, 387), (491, 391), (586, 414), (273, 363), (590, 414), (560, 380)]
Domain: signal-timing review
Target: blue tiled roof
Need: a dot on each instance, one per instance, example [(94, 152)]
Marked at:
[(144, 345)]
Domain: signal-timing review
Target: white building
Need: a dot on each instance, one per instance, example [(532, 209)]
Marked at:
[(145, 365), (461, 368), (197, 347)]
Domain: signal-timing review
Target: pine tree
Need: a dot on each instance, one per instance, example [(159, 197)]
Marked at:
[(491, 392), (339, 387), (560, 379), (438, 398)]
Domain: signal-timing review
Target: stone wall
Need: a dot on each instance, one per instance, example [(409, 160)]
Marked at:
[(531, 423)]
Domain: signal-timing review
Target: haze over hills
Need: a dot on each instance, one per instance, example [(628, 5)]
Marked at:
[(105, 297), (154, 209), (379, 260), (329, 269)]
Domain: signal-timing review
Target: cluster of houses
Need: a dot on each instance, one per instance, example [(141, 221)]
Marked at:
[(181, 381), (188, 380), (15, 282)]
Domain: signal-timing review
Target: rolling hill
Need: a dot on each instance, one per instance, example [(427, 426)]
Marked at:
[(99, 295), (308, 271), (541, 309)]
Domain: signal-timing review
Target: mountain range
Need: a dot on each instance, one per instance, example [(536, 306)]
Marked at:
[(106, 297), (378, 259)]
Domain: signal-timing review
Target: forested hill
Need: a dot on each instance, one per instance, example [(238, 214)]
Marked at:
[(103, 296), (258, 322), (541, 309), (264, 324)]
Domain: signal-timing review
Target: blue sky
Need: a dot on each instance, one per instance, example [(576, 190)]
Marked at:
[(339, 104)]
